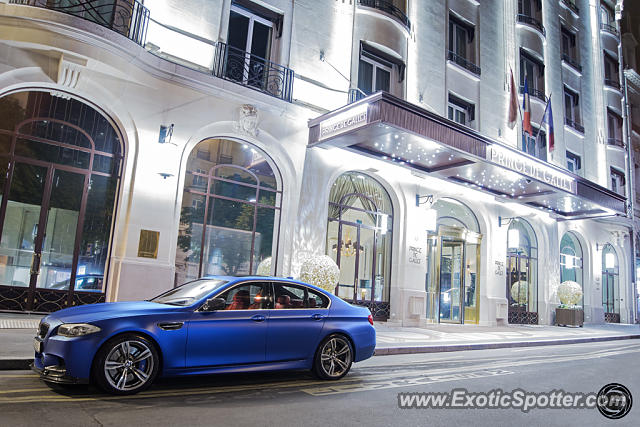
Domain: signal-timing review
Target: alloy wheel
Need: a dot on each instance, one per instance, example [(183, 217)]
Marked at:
[(129, 365), (335, 357)]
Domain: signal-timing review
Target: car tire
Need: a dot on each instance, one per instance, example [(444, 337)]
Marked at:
[(333, 358), (126, 364)]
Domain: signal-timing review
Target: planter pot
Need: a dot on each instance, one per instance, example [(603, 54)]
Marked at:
[(569, 317)]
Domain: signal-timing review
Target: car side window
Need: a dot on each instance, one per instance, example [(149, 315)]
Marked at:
[(248, 296), (289, 296)]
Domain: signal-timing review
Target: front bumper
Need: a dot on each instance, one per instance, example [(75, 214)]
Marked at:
[(57, 374)]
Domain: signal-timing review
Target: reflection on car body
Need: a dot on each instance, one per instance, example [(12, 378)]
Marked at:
[(214, 324)]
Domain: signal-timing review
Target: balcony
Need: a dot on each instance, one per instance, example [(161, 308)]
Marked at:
[(127, 17), (610, 29), (131, 19), (356, 94), (388, 7), (539, 94), (614, 142), (615, 84), (574, 124), (571, 5), (464, 63), (532, 22), (244, 68), (571, 62)]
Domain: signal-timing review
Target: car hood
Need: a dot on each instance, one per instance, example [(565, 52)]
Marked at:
[(109, 310)]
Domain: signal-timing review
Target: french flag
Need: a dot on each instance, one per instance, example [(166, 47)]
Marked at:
[(526, 109)]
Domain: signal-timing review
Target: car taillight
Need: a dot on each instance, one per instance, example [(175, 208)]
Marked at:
[(371, 319)]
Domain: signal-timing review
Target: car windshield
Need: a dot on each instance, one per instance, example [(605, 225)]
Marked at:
[(189, 292)]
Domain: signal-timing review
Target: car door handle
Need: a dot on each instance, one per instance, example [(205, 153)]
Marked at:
[(170, 326), (258, 318), (317, 316)]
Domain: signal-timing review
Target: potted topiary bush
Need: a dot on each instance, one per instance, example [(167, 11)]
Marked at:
[(569, 313)]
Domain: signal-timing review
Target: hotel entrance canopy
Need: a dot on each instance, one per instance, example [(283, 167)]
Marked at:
[(391, 129)]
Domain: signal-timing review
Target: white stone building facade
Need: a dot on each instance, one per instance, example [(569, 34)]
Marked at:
[(218, 108)]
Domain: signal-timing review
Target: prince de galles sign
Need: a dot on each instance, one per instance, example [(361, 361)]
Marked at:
[(531, 168)]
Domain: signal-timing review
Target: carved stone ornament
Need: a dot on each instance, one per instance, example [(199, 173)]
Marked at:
[(247, 120)]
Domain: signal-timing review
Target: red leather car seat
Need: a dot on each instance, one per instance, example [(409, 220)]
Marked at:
[(240, 301)]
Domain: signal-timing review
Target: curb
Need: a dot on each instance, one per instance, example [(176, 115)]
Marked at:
[(388, 351), (15, 364)]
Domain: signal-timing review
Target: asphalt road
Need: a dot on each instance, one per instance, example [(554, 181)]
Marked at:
[(367, 396)]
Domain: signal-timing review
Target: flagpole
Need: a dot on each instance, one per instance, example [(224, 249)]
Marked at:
[(542, 121)]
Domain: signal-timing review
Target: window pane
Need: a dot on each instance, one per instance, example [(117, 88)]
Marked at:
[(365, 77), (238, 31), (98, 217), (246, 297), (383, 79), (60, 235), (261, 40), (292, 297)]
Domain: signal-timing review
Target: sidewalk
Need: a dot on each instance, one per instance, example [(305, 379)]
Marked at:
[(17, 332)]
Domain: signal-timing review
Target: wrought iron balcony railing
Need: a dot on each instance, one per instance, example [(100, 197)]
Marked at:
[(529, 20), (574, 124), (616, 142), (572, 62), (612, 83), (127, 17), (535, 93), (390, 8), (609, 29), (571, 5), (463, 62), (250, 70), (356, 94)]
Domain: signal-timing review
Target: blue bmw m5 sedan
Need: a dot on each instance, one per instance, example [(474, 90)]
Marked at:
[(214, 324)]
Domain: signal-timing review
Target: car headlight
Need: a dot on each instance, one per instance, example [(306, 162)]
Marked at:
[(77, 329)]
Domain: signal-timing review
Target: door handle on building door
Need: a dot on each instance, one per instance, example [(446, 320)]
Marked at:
[(35, 263)]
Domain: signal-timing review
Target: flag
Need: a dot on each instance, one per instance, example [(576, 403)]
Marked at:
[(513, 103), (548, 119), (526, 109)]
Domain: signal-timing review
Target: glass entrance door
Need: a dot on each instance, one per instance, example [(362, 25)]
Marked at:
[(451, 281), (37, 246)]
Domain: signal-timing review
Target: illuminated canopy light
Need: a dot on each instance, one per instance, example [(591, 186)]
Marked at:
[(530, 167)]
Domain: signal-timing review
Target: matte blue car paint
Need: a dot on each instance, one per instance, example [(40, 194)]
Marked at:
[(221, 341)]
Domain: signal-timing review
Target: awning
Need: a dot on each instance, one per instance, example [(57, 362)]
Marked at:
[(388, 128)]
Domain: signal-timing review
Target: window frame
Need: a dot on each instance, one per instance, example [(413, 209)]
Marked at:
[(574, 106), (253, 18), (614, 132), (611, 67), (572, 42), (455, 25), (574, 159), (376, 63), (460, 105), (305, 288), (618, 179), (537, 80), (266, 286)]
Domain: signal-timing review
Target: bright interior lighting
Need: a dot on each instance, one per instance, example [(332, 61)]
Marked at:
[(513, 238), (382, 226), (609, 260)]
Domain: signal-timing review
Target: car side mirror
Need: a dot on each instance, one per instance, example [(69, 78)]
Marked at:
[(214, 304)]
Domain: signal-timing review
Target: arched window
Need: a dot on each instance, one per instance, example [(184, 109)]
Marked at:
[(610, 284), (454, 213), (571, 261), (522, 272), (59, 167), (230, 213), (359, 236)]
